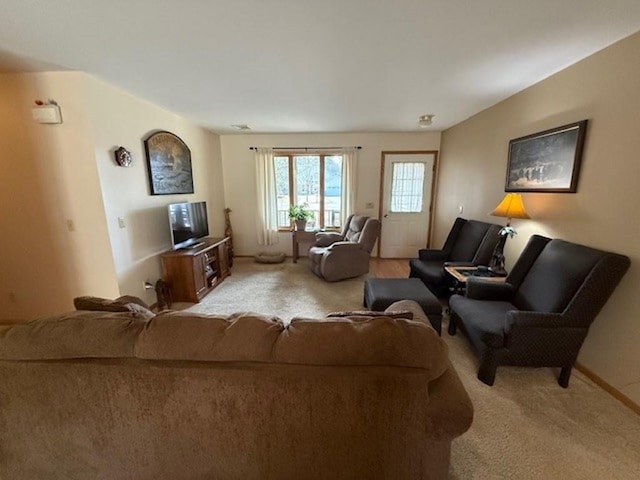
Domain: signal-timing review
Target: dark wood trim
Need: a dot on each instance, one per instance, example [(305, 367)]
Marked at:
[(614, 392)]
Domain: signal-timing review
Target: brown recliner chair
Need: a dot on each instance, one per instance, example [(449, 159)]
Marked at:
[(337, 256)]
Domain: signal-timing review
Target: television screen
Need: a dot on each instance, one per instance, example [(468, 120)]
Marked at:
[(188, 223)]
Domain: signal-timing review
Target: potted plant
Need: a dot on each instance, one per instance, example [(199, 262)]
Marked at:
[(300, 214)]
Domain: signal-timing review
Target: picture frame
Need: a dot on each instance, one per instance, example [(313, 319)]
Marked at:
[(547, 161), (169, 164)]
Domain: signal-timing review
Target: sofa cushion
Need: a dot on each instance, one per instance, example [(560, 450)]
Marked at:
[(373, 341), (80, 334), (241, 337)]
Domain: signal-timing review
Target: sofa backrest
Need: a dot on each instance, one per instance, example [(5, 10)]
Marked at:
[(80, 334), (241, 337), (244, 396), (565, 275), (474, 242)]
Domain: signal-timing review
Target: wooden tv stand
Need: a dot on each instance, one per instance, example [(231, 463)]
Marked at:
[(193, 272)]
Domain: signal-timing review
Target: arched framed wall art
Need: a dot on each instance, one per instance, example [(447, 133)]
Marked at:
[(169, 164)]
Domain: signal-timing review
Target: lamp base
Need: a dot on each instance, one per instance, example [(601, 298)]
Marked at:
[(496, 267)]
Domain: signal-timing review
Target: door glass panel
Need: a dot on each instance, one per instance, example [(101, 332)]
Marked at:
[(407, 184)]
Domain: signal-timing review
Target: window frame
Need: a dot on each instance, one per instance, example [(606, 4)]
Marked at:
[(292, 193)]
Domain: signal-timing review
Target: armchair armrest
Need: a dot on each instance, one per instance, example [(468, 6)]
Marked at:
[(524, 328), (324, 239), (429, 254), (343, 246), (527, 319), (483, 289)]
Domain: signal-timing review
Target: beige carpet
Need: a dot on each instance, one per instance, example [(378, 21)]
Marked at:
[(525, 426)]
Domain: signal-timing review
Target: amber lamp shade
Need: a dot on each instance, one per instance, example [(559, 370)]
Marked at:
[(510, 207)]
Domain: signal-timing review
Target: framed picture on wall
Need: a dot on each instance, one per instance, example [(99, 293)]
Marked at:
[(547, 161), (169, 164)]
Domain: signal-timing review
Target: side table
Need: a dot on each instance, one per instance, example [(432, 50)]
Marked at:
[(460, 275), (301, 236)]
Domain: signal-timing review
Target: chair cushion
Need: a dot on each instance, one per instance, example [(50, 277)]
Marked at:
[(355, 228), (483, 320), (471, 235), (430, 271), (555, 276)]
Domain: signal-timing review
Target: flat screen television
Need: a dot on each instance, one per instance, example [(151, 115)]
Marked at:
[(188, 222)]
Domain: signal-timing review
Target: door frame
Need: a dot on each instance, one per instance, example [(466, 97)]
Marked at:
[(434, 184)]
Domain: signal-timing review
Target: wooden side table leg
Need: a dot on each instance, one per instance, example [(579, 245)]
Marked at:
[(294, 248)]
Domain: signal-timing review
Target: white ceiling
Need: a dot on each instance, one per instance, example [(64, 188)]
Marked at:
[(313, 65)]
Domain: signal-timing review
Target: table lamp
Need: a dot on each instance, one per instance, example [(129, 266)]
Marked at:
[(510, 207)]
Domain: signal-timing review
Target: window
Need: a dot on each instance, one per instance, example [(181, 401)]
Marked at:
[(312, 179), (406, 187)]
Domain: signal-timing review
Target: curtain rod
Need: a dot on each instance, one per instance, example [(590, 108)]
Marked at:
[(306, 149)]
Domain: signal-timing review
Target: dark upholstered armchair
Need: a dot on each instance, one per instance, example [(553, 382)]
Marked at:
[(541, 315), (337, 256), (470, 242)]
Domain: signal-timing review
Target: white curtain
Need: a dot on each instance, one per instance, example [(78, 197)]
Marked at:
[(267, 224), (349, 169)]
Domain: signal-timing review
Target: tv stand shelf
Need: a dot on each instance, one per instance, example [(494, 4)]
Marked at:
[(193, 272)]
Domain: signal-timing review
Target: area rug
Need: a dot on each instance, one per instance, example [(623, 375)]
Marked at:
[(525, 427), (286, 290)]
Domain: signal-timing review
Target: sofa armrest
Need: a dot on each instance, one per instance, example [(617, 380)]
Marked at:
[(324, 239), (483, 289), (429, 254), (411, 306), (450, 411)]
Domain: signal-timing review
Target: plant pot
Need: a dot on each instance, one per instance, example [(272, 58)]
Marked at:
[(300, 224)]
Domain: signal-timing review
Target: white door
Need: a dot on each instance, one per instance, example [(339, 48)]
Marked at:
[(406, 203)]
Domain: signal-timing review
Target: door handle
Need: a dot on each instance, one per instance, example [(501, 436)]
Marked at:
[(386, 215)]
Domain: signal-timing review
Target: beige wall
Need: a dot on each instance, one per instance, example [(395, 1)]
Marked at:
[(118, 118), (53, 174), (49, 177), (605, 89), (240, 180)]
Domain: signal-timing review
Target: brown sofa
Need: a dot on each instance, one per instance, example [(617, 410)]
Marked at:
[(105, 395)]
